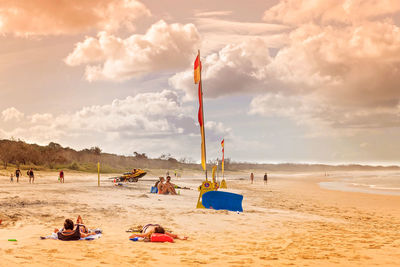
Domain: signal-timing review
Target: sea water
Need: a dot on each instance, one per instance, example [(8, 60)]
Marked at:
[(373, 183)]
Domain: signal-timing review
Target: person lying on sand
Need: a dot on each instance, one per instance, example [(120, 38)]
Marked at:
[(69, 233), (164, 188), (150, 229)]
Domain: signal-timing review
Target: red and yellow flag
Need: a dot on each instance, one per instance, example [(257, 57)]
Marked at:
[(223, 156), (197, 70), (197, 79)]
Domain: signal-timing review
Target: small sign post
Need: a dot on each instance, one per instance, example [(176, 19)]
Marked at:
[(98, 173)]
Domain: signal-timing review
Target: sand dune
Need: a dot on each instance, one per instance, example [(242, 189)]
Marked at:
[(289, 222)]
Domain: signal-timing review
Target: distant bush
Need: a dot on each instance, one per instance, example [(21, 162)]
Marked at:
[(74, 166)]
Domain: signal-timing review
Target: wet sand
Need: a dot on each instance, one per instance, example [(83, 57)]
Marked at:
[(291, 221)]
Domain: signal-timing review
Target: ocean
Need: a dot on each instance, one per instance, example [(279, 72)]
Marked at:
[(387, 183)]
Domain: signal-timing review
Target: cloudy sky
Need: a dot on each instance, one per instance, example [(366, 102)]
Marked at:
[(283, 80)]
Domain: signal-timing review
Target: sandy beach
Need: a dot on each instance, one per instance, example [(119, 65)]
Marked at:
[(291, 221)]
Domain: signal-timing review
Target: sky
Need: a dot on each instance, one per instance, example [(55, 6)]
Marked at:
[(301, 81)]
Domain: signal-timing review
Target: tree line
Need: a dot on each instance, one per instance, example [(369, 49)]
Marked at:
[(54, 156)]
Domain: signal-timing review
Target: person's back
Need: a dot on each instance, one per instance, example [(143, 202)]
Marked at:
[(61, 176), (17, 174), (31, 176), (68, 233)]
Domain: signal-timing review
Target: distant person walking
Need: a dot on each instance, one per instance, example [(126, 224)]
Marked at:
[(18, 173), (31, 176), (265, 178), (61, 178), (252, 177), (11, 178)]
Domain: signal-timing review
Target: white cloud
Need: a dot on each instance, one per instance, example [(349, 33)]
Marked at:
[(234, 69), (136, 122), (41, 118), (218, 32), (12, 114), (213, 13), (163, 47)]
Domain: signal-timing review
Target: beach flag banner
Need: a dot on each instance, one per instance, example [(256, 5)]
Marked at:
[(223, 182), (205, 187), (197, 80), (197, 69)]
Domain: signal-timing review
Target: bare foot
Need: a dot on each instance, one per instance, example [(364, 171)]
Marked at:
[(79, 220)]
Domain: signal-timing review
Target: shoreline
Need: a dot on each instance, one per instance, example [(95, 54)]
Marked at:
[(345, 187)]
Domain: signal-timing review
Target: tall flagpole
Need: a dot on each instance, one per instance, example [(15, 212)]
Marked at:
[(202, 110), (223, 159)]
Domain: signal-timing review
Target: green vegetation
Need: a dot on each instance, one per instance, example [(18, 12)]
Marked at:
[(55, 157)]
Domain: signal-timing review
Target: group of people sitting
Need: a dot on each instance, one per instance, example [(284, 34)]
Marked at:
[(165, 187)]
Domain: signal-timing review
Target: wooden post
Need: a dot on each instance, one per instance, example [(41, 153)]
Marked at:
[(98, 173)]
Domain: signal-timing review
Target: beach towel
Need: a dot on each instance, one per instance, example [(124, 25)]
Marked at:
[(98, 234), (156, 237)]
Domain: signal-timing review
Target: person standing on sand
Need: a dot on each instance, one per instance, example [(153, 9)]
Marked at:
[(265, 178), (17, 174), (251, 177), (11, 178), (61, 176), (31, 176)]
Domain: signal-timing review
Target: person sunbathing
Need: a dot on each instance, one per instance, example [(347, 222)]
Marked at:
[(150, 229), (69, 233)]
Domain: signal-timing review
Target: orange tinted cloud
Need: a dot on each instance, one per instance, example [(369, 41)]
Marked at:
[(163, 47), (327, 11), (338, 67), (49, 17)]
